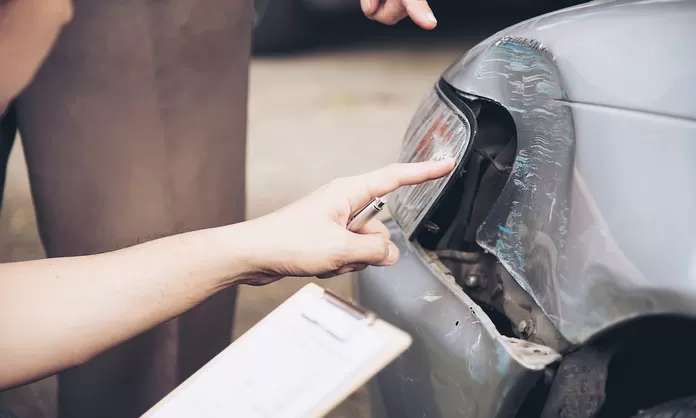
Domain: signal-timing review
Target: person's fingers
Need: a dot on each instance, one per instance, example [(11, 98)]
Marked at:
[(420, 13), (327, 275), (375, 227), (368, 249), (369, 7), (358, 267), (390, 12), (349, 268), (361, 189)]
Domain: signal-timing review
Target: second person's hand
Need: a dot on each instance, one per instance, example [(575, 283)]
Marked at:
[(309, 237), (390, 12)]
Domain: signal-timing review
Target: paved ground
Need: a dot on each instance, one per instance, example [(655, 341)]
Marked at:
[(313, 117)]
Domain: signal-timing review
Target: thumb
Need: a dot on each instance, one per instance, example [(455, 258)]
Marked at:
[(371, 249)]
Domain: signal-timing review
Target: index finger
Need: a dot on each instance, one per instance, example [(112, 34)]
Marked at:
[(378, 183)]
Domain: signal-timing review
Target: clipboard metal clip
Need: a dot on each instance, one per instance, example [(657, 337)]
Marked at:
[(350, 307), (336, 315)]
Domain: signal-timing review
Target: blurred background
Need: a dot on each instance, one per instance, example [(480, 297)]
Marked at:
[(331, 95)]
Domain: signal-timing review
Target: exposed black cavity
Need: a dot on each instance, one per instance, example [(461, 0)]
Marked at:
[(501, 322)]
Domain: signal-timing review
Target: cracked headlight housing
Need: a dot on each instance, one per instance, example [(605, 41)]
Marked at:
[(442, 127)]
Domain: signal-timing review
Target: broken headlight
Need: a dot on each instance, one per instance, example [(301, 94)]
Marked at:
[(441, 128)]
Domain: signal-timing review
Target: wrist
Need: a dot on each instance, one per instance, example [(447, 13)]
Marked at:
[(233, 252)]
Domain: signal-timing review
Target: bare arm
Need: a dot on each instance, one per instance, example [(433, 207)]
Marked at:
[(59, 313), (28, 29)]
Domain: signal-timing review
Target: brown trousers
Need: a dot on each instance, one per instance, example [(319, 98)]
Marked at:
[(133, 129)]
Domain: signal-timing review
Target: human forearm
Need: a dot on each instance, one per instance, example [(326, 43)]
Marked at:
[(58, 313)]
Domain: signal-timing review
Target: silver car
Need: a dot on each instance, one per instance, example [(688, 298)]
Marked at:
[(553, 273)]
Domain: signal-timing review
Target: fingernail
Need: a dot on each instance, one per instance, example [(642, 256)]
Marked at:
[(367, 5), (431, 17), (393, 255)]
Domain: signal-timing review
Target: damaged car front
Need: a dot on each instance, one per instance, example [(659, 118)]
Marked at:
[(553, 273)]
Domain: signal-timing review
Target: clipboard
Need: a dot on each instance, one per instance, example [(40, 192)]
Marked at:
[(300, 361)]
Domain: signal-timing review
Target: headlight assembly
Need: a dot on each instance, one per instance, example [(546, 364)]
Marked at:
[(440, 129)]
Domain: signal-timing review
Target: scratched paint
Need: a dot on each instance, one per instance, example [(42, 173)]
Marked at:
[(584, 283), (478, 369), (430, 297), (503, 360), (535, 202), (453, 364)]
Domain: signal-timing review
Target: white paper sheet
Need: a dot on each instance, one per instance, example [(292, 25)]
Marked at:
[(298, 357)]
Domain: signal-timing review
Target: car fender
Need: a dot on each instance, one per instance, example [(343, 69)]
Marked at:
[(604, 182)]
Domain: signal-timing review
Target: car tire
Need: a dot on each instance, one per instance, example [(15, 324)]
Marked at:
[(680, 408), (284, 26)]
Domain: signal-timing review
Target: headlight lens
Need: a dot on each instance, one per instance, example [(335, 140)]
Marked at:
[(438, 130)]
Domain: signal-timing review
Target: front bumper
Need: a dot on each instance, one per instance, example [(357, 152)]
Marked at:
[(459, 365)]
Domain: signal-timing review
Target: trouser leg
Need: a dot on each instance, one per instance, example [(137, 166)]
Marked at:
[(8, 126), (135, 129)]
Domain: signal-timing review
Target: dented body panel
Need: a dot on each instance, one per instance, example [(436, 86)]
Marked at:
[(595, 222), (458, 364)]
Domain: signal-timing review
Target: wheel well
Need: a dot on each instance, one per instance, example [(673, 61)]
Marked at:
[(631, 367), (653, 360)]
